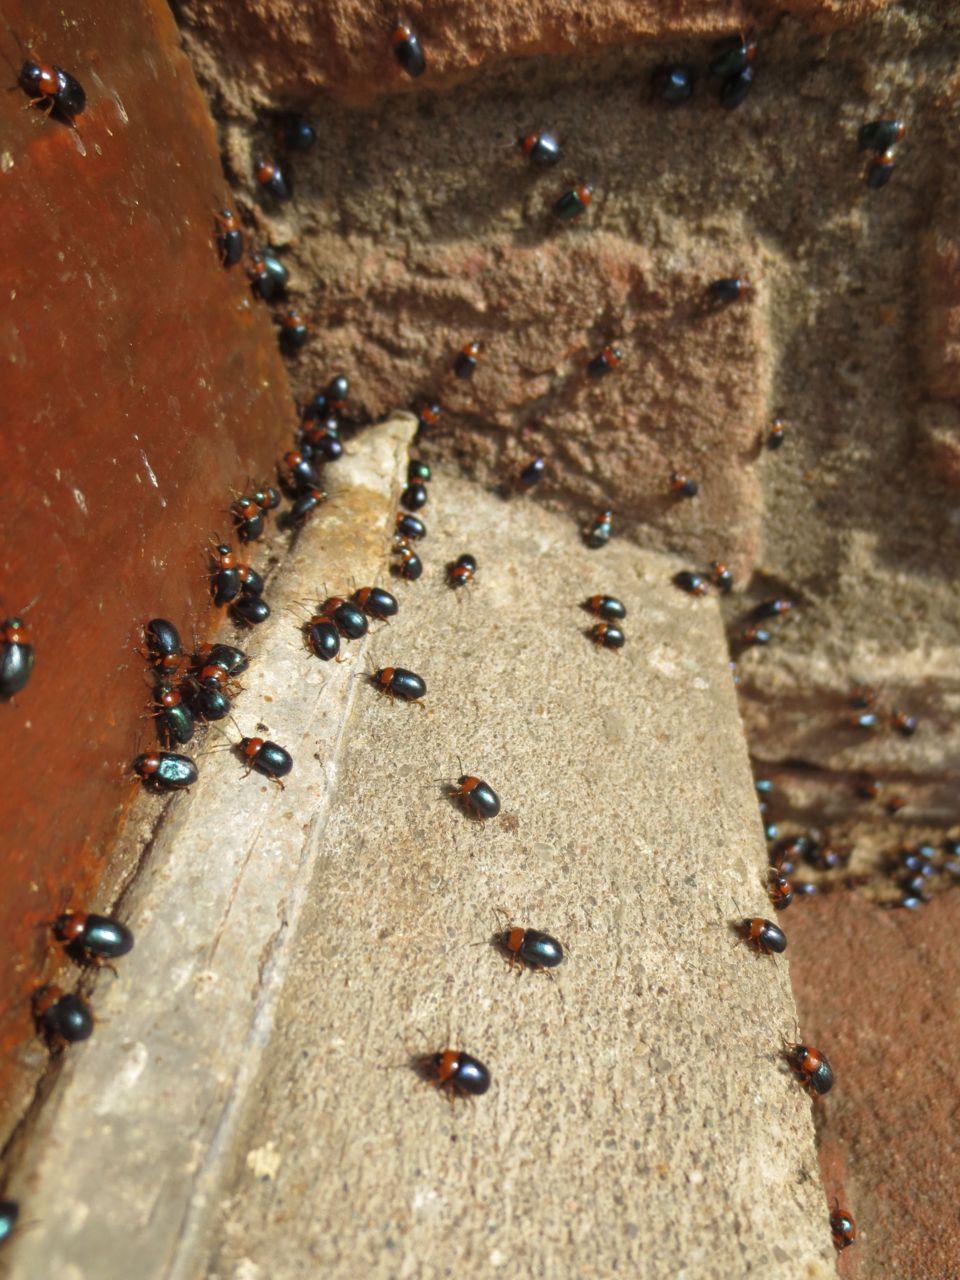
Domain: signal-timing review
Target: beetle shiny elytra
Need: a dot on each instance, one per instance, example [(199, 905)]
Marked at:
[(266, 757), (92, 938), (842, 1227), (408, 51), (531, 474), (400, 683), (812, 1067), (573, 202), (163, 644), (250, 610), (542, 149), (607, 607), (61, 1018), (691, 582), (16, 656), (53, 89), (607, 635), (350, 619), (604, 363), (467, 359), (272, 179), (229, 237), (174, 719), (600, 532), (9, 1213), (530, 948), (323, 637), (456, 1073), (165, 770), (376, 602), (409, 526), (478, 797), (763, 935)]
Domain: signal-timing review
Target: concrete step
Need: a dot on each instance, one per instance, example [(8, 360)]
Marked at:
[(247, 1109)]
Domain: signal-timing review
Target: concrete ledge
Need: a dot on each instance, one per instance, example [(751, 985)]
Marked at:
[(247, 1110)]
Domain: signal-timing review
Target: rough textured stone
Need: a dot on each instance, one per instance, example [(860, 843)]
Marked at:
[(941, 264), (249, 1107)]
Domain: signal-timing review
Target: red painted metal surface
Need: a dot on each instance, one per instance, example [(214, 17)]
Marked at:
[(140, 382)]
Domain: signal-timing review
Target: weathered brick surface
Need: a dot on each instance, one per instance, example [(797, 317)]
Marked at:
[(265, 53)]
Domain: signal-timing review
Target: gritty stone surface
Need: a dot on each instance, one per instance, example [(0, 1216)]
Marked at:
[(247, 1106), (622, 1084), (887, 1134)]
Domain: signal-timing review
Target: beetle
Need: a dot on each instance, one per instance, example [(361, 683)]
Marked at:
[(531, 474), (728, 289), (880, 135), (400, 683), (294, 332), (418, 471), (163, 643), (753, 635), (905, 725), (607, 607), (673, 85), (376, 602), (248, 519), (165, 770), (305, 505), (350, 619), (408, 51), (541, 149), (735, 89), (763, 935), (467, 359), (229, 237), (607, 635), (174, 719), (690, 582), (683, 486), (268, 276), (461, 572), (273, 180), (266, 757), (732, 56), (233, 660), (842, 1227), (811, 1066), (61, 1018), (880, 170), (91, 938), (296, 133), (478, 797), (410, 566), (267, 498), (16, 656), (428, 415), (772, 608), (323, 440), (530, 948), (599, 533), (573, 202), (9, 1213), (456, 1073), (297, 474), (250, 610), (604, 363), (53, 89), (721, 577), (323, 637), (225, 578), (780, 890), (414, 496), (775, 435), (251, 583), (338, 388), (409, 526)]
